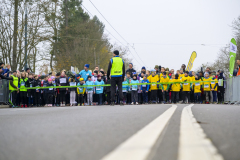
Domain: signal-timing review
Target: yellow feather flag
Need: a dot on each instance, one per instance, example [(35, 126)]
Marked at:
[(191, 60)]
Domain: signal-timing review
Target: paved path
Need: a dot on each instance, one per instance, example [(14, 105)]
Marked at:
[(153, 132)]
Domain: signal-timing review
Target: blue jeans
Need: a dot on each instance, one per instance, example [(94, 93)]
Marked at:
[(214, 93), (197, 97), (145, 96)]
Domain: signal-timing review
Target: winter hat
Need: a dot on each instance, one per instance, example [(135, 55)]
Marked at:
[(190, 73), (81, 79), (116, 52), (156, 66), (98, 76), (153, 70), (102, 72), (135, 76), (49, 79), (27, 69), (143, 68), (131, 64), (52, 77), (86, 65)]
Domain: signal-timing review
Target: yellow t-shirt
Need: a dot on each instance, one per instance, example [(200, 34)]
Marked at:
[(152, 80), (214, 83), (206, 85), (176, 87), (164, 80), (186, 86), (197, 86), (149, 77)]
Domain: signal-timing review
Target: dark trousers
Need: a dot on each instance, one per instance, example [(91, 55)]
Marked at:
[(175, 97), (145, 96), (49, 98), (129, 98), (62, 96), (160, 95), (80, 99), (140, 98), (58, 98), (197, 97), (134, 96), (37, 98), (100, 98), (14, 97), (191, 96), (125, 97), (186, 96), (109, 97), (214, 93), (23, 97), (30, 98), (220, 94), (154, 95), (149, 95), (165, 96), (45, 97), (116, 81)]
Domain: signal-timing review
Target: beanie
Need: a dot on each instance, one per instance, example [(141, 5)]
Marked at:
[(86, 65), (49, 79), (156, 66), (81, 79), (116, 52), (143, 68), (98, 76)]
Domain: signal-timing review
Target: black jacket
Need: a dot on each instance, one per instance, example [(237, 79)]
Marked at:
[(36, 83), (50, 91), (63, 81), (29, 83)]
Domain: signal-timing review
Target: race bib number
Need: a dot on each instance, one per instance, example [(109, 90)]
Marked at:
[(212, 82), (98, 88), (30, 85), (50, 89), (124, 89), (220, 82), (72, 83), (63, 80), (206, 86), (185, 84), (134, 88), (197, 84), (153, 84), (22, 83)]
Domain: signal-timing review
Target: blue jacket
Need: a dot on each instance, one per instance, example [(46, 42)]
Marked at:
[(125, 88), (50, 90), (90, 88), (99, 89), (134, 87), (146, 87), (84, 74)]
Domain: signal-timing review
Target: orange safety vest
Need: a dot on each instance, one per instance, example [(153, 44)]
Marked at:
[(238, 74)]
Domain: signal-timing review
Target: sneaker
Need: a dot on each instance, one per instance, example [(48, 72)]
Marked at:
[(132, 103), (25, 106), (45, 105), (13, 106), (22, 106), (112, 104), (50, 105), (136, 103), (63, 105), (121, 103)]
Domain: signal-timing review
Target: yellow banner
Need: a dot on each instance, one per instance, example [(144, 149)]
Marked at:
[(191, 60)]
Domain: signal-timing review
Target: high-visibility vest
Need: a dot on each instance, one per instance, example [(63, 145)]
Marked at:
[(15, 82), (238, 73), (117, 65), (22, 84)]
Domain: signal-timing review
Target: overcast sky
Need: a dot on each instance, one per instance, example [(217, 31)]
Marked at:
[(166, 32)]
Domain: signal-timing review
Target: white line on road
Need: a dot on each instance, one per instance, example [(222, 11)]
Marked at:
[(193, 142), (138, 146)]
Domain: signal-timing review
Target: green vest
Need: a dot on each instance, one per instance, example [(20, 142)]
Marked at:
[(22, 84), (15, 82), (117, 65)]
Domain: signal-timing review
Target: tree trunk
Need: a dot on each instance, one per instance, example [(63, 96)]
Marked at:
[(15, 32)]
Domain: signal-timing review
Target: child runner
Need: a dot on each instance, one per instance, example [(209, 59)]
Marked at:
[(134, 89), (144, 89), (90, 91), (99, 89)]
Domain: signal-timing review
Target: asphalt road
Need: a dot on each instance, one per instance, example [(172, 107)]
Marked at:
[(92, 132)]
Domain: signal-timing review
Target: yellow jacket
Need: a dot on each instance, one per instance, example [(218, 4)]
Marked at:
[(206, 85), (186, 86), (149, 77), (180, 76), (197, 86), (176, 87), (214, 83), (152, 80), (78, 91), (164, 80)]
